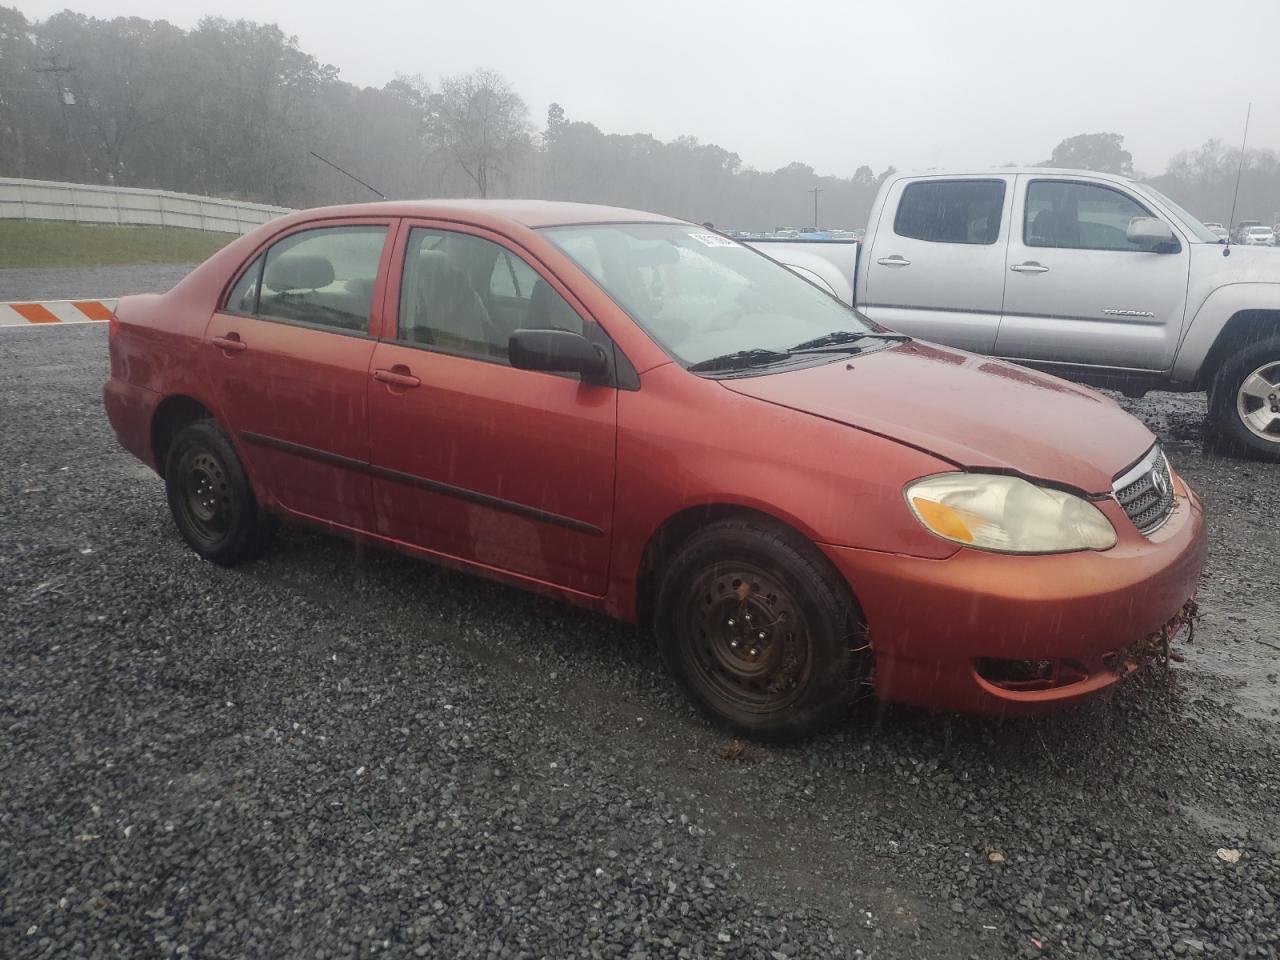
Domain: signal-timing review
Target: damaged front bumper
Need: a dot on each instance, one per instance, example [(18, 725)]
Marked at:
[(990, 633)]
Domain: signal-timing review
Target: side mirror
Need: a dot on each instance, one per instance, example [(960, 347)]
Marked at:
[(556, 351), (1152, 233)]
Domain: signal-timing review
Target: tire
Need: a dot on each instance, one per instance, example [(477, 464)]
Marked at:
[(1244, 402), (719, 607), (211, 499)]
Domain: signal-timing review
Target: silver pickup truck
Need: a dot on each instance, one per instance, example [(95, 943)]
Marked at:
[(1097, 278)]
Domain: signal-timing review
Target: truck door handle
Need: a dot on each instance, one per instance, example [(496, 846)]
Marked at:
[(894, 261), (397, 376), (231, 343), (1029, 267)]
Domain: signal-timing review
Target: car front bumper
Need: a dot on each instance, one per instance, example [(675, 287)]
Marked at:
[(945, 632)]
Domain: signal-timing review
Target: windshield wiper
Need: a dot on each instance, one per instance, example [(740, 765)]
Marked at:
[(739, 360), (839, 337)]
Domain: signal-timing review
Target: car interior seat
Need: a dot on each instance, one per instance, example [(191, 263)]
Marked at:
[(442, 308)]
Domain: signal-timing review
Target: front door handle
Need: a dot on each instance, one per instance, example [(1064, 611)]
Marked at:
[(231, 343), (397, 376), (894, 261), (1029, 267)]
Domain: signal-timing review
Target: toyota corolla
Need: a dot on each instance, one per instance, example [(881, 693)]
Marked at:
[(641, 416)]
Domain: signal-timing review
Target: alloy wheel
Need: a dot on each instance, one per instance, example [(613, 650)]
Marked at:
[(1258, 402)]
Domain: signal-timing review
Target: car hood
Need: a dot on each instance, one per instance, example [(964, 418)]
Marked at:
[(973, 411)]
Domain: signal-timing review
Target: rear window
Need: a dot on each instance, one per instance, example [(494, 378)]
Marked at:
[(951, 211)]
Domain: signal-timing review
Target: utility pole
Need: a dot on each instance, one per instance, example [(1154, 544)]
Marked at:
[(65, 97), (815, 191)]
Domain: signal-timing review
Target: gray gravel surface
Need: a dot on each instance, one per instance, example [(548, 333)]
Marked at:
[(343, 753), (99, 283)]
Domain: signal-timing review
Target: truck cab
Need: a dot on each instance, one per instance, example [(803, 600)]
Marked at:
[(1096, 277)]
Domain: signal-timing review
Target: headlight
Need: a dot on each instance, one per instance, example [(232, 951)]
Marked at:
[(1007, 514)]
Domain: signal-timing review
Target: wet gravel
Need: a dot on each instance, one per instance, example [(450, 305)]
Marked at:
[(97, 283), (342, 753)]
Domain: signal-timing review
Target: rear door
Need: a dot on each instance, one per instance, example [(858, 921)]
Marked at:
[(288, 359), (472, 458), (937, 270), (1078, 291)]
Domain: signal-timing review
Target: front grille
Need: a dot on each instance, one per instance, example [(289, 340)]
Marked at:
[(1146, 491)]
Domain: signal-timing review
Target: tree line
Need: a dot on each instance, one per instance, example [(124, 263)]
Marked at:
[(236, 109)]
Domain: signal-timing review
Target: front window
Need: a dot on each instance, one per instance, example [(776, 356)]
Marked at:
[(1071, 215), (466, 295), (701, 295)]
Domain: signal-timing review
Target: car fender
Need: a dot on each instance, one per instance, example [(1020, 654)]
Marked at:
[(1223, 303)]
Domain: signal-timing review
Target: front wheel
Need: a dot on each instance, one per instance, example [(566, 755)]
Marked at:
[(759, 630), (210, 497), (1244, 402)]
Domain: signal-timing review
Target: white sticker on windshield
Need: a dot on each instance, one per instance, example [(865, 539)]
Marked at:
[(712, 240)]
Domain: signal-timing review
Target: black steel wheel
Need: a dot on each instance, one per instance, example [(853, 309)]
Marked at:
[(210, 497), (759, 630)]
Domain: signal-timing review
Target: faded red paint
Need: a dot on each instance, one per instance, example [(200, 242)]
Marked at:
[(826, 450)]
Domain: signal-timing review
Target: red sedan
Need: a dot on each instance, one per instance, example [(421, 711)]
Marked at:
[(643, 417)]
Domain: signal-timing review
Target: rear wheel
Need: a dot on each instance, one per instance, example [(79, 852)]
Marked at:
[(759, 631), (210, 497), (1244, 402)]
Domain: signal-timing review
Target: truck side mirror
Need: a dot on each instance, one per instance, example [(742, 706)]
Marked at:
[(1152, 233)]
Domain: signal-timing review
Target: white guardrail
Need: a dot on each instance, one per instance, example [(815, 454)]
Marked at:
[(92, 203)]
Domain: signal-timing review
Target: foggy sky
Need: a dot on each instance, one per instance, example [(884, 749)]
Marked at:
[(835, 85)]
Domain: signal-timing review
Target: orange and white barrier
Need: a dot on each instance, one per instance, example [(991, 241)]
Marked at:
[(19, 314)]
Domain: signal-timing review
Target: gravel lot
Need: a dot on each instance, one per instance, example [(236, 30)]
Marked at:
[(343, 753), (97, 283)]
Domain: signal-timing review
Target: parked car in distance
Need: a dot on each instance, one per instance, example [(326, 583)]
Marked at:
[(1243, 228), (1259, 236), (1218, 230), (1094, 277), (646, 418)]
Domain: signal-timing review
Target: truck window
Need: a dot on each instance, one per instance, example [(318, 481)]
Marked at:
[(951, 211), (1078, 216)]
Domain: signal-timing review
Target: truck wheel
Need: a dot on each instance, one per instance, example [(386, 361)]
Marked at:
[(759, 631), (1244, 402), (210, 497)]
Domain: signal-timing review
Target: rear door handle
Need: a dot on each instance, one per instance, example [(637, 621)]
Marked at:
[(231, 343), (894, 261), (1029, 267), (397, 376)]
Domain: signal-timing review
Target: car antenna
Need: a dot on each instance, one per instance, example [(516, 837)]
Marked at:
[(347, 173), (1226, 250)]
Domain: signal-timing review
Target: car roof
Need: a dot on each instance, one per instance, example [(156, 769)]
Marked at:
[(528, 213), (1010, 171)]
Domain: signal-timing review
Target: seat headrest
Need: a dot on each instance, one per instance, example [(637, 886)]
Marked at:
[(299, 271)]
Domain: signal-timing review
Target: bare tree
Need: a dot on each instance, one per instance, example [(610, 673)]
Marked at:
[(481, 122)]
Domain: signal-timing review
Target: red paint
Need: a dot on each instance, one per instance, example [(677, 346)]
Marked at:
[(427, 453)]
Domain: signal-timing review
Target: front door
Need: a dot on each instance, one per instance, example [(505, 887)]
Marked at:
[(1077, 291), (472, 458), (937, 271), (288, 358)]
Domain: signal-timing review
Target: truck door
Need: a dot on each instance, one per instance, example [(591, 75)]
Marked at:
[(936, 265), (1077, 291)]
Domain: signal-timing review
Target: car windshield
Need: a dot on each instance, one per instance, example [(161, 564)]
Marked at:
[(701, 295), (1198, 229)]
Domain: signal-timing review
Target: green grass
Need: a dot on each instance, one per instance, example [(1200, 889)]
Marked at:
[(46, 243)]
